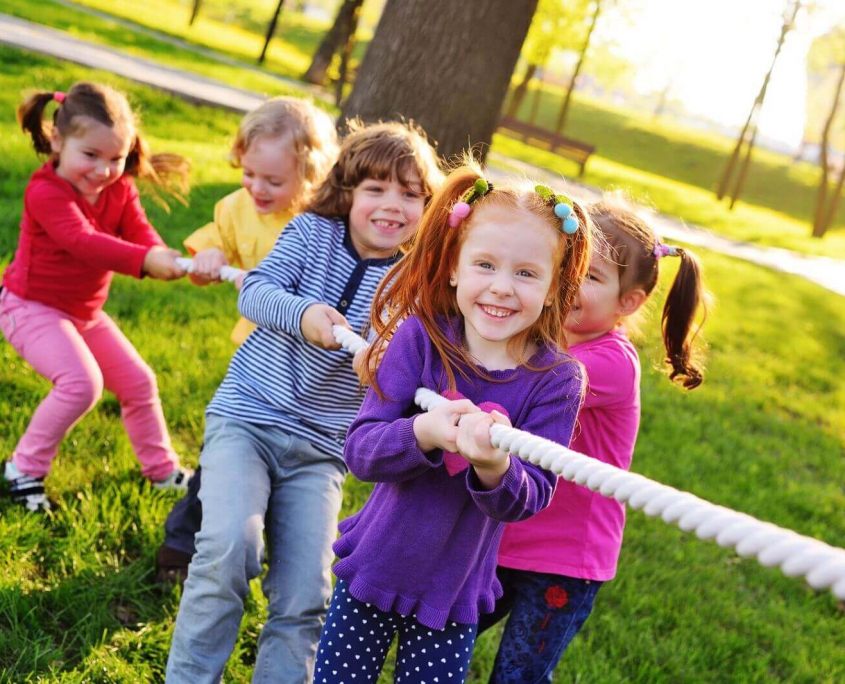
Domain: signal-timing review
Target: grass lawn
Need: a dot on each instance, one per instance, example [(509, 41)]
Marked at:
[(675, 169), (765, 434)]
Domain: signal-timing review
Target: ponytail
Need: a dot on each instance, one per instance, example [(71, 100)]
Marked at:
[(678, 321), (31, 119), (167, 172)]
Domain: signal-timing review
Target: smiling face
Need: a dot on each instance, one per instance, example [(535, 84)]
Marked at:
[(270, 174), (504, 274), (92, 158), (383, 214), (599, 305)]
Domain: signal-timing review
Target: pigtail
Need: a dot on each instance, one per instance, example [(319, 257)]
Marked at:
[(31, 119), (678, 322), (164, 172), (418, 285)]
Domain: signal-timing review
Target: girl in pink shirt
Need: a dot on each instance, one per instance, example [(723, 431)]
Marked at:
[(82, 221), (552, 565)]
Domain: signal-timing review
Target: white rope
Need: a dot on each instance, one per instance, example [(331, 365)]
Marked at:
[(822, 565), (227, 273)]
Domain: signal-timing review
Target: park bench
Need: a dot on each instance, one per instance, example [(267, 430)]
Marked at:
[(531, 134)]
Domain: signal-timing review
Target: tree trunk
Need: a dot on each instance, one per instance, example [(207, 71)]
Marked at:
[(194, 12), (821, 217), (271, 29), (833, 205), (346, 55), (564, 110), (519, 92), (538, 93), (447, 65), (336, 36)]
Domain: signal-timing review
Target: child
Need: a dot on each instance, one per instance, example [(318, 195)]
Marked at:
[(275, 429), (552, 566), (483, 295), (82, 220), (286, 147)]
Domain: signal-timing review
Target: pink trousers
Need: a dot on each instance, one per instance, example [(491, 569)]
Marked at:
[(80, 358)]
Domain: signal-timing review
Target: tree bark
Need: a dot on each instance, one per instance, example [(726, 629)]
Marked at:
[(271, 29), (346, 55), (821, 221), (336, 36), (447, 65), (519, 92), (564, 110)]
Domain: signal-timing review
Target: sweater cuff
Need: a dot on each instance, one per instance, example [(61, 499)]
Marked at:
[(408, 441)]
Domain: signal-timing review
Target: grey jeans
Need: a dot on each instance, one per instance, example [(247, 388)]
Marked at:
[(255, 476)]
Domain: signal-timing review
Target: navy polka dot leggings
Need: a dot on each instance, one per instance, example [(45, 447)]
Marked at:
[(357, 636)]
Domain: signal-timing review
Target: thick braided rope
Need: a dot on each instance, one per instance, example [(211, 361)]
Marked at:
[(822, 565), (227, 273)]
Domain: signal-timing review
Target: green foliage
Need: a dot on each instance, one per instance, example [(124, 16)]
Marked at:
[(765, 434)]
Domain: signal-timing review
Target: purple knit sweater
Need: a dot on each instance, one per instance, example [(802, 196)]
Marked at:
[(425, 542)]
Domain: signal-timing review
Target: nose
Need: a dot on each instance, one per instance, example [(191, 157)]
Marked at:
[(502, 284)]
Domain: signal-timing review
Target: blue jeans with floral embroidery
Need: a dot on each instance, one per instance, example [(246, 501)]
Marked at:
[(546, 612)]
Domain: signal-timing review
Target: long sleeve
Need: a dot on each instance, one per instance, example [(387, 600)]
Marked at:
[(269, 296), (58, 214), (135, 227), (527, 489), (380, 444)]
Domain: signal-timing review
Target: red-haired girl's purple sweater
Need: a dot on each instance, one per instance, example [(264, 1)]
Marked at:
[(425, 543)]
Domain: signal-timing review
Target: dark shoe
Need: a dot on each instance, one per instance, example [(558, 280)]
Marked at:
[(172, 566), (26, 490)]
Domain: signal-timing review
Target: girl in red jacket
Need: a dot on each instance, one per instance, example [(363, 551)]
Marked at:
[(82, 221)]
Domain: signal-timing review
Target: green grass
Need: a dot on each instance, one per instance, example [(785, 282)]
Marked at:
[(672, 168), (765, 434)]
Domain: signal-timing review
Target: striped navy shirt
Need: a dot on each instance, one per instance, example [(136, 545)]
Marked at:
[(278, 378)]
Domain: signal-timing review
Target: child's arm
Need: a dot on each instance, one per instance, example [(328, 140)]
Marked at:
[(526, 489), (214, 245), (389, 441)]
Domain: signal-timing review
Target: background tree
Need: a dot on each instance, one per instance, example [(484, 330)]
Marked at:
[(194, 12), (748, 134), (338, 36), (447, 65), (828, 56), (271, 29)]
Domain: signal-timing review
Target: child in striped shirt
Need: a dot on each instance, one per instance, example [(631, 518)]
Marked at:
[(272, 460)]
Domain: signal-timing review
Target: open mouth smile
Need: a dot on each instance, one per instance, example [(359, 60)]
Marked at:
[(496, 311)]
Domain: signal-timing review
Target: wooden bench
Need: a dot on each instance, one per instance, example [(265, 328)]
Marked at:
[(530, 134)]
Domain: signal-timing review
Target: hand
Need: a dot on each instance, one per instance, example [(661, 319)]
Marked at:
[(317, 322), (207, 264), (160, 263), (375, 361), (238, 282), (473, 443), (438, 428)]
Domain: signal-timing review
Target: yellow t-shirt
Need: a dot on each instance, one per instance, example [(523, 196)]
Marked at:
[(244, 236)]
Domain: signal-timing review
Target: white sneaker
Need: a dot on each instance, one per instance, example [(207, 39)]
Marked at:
[(177, 481), (26, 490)]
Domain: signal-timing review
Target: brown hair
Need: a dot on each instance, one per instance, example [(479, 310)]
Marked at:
[(419, 284), (380, 151), (307, 128), (109, 107), (632, 248)]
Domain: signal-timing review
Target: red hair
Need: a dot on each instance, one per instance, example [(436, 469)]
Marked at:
[(419, 284)]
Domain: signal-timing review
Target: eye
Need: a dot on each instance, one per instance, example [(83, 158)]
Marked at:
[(524, 273), (90, 155), (411, 195), (248, 174), (485, 265), (276, 184)]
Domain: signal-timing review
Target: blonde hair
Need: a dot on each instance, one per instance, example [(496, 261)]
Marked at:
[(381, 151), (309, 130)]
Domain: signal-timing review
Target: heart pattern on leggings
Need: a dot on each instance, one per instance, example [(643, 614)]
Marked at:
[(455, 463)]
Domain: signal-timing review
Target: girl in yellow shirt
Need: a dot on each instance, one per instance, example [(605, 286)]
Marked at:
[(285, 147)]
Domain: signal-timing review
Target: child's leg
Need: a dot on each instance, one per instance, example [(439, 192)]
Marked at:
[(134, 384), (185, 518), (433, 655), (355, 640), (503, 605), (548, 611), (301, 526), (235, 491), (51, 343)]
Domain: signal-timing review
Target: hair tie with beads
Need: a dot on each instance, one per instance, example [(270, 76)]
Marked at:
[(59, 96), (563, 206), (462, 207), (662, 250)]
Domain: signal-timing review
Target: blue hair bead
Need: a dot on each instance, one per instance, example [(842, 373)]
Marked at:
[(570, 225), (562, 210)]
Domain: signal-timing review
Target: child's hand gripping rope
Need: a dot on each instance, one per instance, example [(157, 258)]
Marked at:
[(228, 274), (822, 565)]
